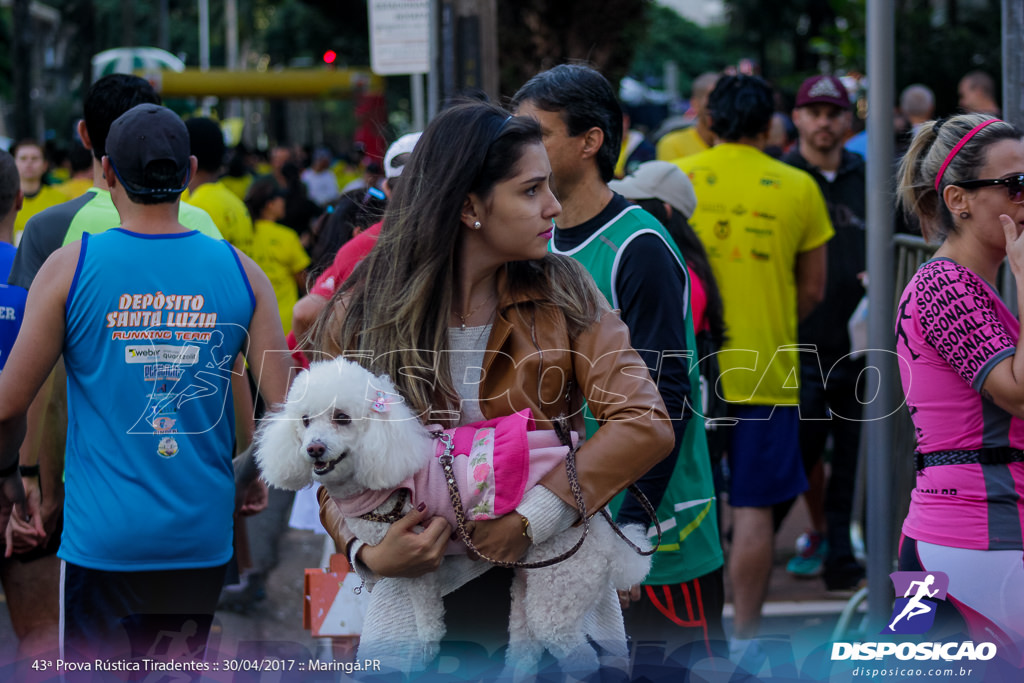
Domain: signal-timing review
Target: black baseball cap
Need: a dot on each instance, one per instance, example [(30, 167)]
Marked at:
[(145, 134)]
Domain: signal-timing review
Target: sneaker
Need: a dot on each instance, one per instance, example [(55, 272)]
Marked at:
[(844, 575), (810, 559)]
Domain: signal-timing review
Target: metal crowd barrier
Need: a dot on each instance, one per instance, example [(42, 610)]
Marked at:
[(910, 252)]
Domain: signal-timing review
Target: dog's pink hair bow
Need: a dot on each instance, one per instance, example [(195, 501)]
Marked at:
[(383, 403)]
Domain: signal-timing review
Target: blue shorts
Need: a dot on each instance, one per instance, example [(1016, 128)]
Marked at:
[(764, 456)]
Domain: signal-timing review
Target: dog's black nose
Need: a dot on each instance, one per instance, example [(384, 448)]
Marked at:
[(316, 450)]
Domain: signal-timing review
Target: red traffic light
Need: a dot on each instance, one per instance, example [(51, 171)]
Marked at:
[(330, 56)]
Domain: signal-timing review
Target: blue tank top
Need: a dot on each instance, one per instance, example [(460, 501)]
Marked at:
[(12, 304), (154, 323)]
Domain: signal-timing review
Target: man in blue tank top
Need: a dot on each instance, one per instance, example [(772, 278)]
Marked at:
[(150, 317), (12, 298), (92, 212), (28, 574)]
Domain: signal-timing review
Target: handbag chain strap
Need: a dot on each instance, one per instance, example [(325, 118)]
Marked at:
[(446, 460), (562, 430)]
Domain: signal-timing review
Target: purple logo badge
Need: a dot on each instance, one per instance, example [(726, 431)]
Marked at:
[(917, 596)]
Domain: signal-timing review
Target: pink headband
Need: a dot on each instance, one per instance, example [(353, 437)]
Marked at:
[(959, 145)]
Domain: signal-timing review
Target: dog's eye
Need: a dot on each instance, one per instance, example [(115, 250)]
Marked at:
[(305, 420), (341, 418)]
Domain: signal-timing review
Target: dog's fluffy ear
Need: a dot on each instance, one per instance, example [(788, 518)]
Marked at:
[(394, 444), (279, 443)]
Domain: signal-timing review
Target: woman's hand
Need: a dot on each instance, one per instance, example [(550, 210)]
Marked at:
[(500, 539), (1014, 245), (406, 552)]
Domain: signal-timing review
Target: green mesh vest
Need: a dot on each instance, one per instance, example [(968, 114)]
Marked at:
[(690, 545)]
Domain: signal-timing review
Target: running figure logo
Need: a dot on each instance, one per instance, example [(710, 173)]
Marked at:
[(915, 612)]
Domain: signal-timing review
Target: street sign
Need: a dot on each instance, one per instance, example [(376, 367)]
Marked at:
[(399, 36)]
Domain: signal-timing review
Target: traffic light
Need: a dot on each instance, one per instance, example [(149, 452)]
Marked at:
[(330, 56)]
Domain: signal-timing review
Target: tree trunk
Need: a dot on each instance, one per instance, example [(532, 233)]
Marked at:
[(21, 61), (86, 39), (128, 22)]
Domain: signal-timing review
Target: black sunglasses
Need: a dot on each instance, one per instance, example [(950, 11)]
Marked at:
[(1014, 186)]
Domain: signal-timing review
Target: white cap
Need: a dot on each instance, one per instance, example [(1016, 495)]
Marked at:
[(659, 180), (403, 145)]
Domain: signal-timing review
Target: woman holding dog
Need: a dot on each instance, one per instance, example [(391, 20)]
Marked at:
[(962, 353), (462, 305)]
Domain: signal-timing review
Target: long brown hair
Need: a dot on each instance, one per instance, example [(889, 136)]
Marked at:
[(392, 314)]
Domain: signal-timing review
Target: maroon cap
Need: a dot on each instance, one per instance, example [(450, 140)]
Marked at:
[(823, 90)]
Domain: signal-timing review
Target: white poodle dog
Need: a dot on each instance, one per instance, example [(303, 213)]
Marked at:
[(353, 433)]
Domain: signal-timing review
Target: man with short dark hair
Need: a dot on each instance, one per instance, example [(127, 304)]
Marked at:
[(764, 225), (150, 317), (30, 158), (822, 117), (977, 92), (206, 190), (80, 160), (640, 271)]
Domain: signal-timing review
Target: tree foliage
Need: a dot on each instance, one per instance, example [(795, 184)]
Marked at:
[(939, 54), (336, 25), (671, 37), (534, 35), (779, 35), (282, 29), (936, 42)]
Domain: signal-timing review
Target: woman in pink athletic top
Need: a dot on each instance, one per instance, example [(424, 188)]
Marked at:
[(962, 367)]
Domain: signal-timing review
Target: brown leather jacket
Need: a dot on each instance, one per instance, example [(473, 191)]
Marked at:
[(531, 362)]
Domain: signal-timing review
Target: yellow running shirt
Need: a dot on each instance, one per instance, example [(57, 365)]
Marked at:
[(677, 144), (755, 215), (278, 251), (46, 197), (74, 187), (228, 213)]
